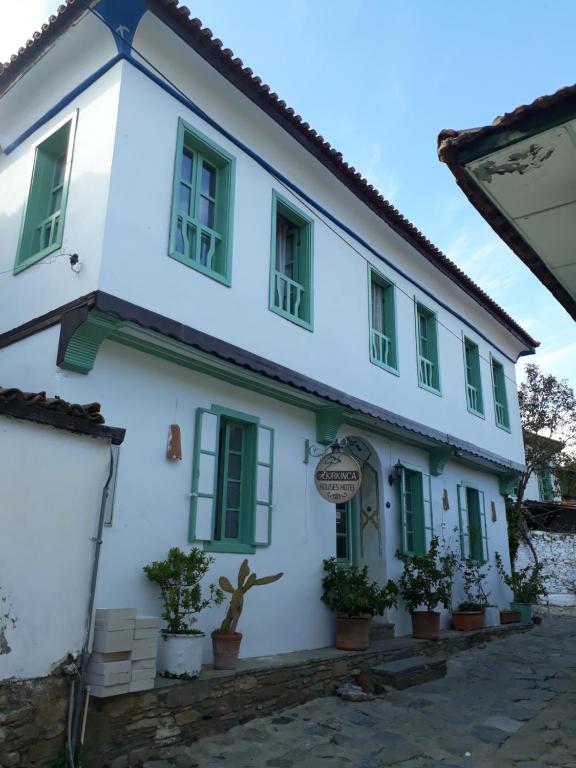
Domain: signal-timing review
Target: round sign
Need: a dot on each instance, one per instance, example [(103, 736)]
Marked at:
[(338, 477)]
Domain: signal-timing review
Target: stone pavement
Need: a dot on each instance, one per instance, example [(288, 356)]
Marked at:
[(511, 703)]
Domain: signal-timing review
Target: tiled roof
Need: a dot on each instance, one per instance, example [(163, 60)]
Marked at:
[(89, 412), (231, 67)]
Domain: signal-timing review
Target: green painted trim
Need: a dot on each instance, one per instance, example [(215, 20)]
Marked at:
[(229, 546), (270, 466), (419, 527), (353, 521), (438, 458), (430, 313), (22, 263), (306, 225), (226, 164), (478, 384), (328, 421), (195, 495), (495, 362), (86, 340), (232, 414), (374, 274)]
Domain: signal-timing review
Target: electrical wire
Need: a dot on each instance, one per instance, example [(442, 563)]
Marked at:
[(302, 202)]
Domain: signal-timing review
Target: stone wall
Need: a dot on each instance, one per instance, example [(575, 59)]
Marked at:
[(557, 552), (33, 721)]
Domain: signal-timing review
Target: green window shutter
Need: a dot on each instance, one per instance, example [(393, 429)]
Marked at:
[(202, 205), (475, 535), (204, 475), (427, 349), (413, 511), (382, 305), (428, 509), (500, 397), (463, 522), (485, 551), (291, 263), (474, 397), (403, 515), (43, 224), (264, 486)]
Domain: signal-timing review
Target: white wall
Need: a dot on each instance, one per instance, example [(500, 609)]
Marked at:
[(557, 553), (51, 484)]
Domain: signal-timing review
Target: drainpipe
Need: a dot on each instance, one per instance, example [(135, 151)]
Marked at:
[(81, 681)]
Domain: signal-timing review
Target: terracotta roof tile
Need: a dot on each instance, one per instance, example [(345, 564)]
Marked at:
[(89, 412), (254, 88)]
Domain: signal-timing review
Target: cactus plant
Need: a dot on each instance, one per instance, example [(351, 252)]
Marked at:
[(246, 581)]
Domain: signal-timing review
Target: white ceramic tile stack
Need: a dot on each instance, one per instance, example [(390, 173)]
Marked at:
[(143, 658), (110, 665)]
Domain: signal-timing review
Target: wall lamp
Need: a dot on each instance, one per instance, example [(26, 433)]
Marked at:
[(396, 473)]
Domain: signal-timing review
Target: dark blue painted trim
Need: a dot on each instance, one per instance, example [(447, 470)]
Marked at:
[(122, 19), (263, 163), (80, 88)]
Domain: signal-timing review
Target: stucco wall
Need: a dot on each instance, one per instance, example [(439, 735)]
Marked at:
[(557, 553), (51, 484)]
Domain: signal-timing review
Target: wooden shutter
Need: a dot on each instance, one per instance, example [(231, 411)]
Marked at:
[(463, 522), (483, 527), (264, 472), (204, 475), (403, 530), (428, 510)]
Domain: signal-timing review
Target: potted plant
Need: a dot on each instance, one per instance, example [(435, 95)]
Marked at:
[(179, 577), (527, 586), (469, 613), (225, 640), (355, 600), (426, 581)]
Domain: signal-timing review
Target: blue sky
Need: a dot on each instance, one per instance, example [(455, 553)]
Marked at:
[(379, 79)]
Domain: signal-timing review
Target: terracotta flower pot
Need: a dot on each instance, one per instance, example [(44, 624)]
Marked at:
[(352, 634), (509, 617), (426, 625), (226, 649), (465, 621)]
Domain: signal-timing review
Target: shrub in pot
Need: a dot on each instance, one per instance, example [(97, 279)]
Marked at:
[(426, 581), (469, 613), (527, 586), (355, 600), (225, 640), (179, 577)]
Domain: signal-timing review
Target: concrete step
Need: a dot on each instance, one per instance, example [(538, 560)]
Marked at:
[(404, 673), (381, 631)]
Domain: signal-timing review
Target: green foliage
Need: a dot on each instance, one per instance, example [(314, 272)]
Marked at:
[(427, 579), (348, 592), (246, 581), (514, 519), (527, 584), (474, 576), (179, 578)]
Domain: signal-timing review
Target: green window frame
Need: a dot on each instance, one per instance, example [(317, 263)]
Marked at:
[(545, 486), (291, 263), (501, 412), (346, 532), (382, 315), (472, 524), (232, 480), (474, 395), (42, 228), (416, 513), (202, 205), (427, 349)]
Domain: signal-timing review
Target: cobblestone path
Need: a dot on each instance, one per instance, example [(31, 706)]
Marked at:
[(509, 703)]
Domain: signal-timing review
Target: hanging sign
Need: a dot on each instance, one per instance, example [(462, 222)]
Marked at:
[(338, 477)]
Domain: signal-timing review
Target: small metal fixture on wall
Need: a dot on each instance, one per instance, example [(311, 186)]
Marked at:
[(396, 473), (174, 452)]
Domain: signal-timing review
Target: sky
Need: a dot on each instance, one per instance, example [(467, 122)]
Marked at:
[(379, 79)]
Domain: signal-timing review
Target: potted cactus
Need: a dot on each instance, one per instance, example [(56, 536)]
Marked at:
[(469, 613), (225, 640), (355, 600), (179, 577)]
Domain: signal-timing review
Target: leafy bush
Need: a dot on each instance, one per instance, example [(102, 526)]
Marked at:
[(527, 583), (427, 579), (179, 578), (474, 575), (348, 592)]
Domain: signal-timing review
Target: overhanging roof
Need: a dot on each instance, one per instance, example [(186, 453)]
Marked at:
[(232, 68), (520, 174)]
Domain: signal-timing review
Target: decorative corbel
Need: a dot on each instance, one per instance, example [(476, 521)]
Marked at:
[(328, 422), (438, 458), (81, 335)]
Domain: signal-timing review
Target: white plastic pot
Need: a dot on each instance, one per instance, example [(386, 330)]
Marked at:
[(180, 655), (491, 616)]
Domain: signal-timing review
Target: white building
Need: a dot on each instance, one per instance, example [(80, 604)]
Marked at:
[(235, 277)]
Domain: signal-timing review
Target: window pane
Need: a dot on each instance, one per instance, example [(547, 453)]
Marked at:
[(186, 167), (185, 197), (341, 548), (232, 527), (236, 434), (234, 466), (208, 184), (233, 495), (207, 208), (204, 249), (59, 168), (55, 201), (286, 238)]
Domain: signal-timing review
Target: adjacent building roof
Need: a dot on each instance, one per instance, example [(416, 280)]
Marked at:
[(54, 411), (232, 68), (519, 143)]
